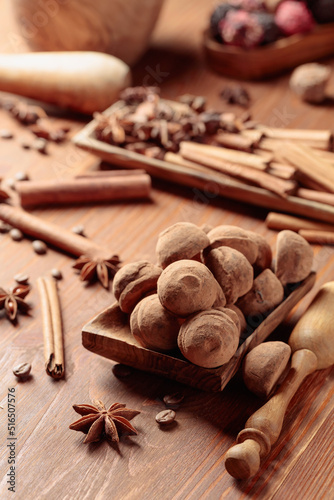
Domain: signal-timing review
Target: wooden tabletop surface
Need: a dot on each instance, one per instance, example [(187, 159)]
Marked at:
[(185, 461)]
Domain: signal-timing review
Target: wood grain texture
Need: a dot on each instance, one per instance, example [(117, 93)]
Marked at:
[(185, 461)]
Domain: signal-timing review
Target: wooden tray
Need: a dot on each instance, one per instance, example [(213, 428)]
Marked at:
[(108, 335), (232, 189), (272, 59)]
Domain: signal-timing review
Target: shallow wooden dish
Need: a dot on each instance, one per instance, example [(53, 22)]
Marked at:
[(108, 334), (272, 59)]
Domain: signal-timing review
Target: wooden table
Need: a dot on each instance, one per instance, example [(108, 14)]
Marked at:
[(185, 461)]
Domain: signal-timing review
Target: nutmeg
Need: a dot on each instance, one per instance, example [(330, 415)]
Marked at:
[(234, 237), (152, 326), (294, 257), (187, 286), (208, 338), (266, 293), (133, 282), (183, 240), (232, 271)]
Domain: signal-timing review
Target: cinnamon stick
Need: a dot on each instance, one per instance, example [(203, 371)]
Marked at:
[(50, 233), (321, 139), (280, 170), (310, 165), (282, 221), (262, 179), (109, 173), (220, 153), (311, 194), (235, 141), (52, 327), (84, 190), (318, 237)]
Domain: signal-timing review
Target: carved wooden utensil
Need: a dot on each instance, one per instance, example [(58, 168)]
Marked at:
[(312, 344)]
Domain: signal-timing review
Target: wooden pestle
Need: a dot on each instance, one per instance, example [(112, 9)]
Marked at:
[(312, 344)]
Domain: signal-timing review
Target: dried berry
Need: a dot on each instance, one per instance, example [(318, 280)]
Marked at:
[(294, 17), (271, 31), (242, 29), (216, 17)]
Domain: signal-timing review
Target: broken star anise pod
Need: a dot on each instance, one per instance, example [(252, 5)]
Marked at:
[(101, 269), (14, 300), (98, 422)]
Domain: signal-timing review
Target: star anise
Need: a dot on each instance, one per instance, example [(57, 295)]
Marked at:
[(101, 269), (14, 300), (98, 422)]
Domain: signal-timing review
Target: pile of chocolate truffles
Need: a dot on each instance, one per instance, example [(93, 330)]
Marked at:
[(206, 285)]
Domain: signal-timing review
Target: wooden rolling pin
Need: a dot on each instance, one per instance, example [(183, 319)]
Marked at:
[(312, 344), (80, 81)]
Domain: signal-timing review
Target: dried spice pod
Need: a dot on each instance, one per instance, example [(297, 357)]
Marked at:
[(187, 286), (264, 252), (208, 338), (266, 293), (294, 257), (232, 270), (234, 237), (133, 282), (152, 326), (182, 240), (264, 365)]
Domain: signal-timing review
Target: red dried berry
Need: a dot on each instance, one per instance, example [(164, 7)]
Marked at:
[(293, 17), (242, 29)]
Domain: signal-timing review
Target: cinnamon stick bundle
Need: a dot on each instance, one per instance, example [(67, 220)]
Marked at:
[(220, 153), (52, 327), (274, 184), (83, 190)]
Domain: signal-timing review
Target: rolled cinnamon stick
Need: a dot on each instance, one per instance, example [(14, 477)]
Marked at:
[(109, 173), (311, 194), (51, 233), (109, 188), (282, 221), (318, 237)]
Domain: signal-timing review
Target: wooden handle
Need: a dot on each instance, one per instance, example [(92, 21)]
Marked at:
[(264, 426)]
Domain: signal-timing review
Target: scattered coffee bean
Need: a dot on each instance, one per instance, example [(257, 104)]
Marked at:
[(25, 145), (6, 134), (22, 370), (16, 234), (121, 371), (79, 229), (39, 247), (11, 183), (173, 400), (40, 145), (21, 176), (56, 273), (21, 279), (165, 417), (4, 227)]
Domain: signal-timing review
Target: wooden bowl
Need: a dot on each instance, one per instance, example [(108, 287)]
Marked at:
[(108, 334), (272, 59)]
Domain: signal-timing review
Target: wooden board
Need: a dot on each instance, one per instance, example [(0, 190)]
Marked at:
[(108, 335), (214, 183), (272, 59)]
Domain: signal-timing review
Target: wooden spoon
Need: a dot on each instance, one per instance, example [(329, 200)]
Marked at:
[(312, 344)]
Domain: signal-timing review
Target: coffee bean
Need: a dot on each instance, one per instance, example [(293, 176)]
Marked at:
[(11, 183), (22, 279), (56, 273), (4, 227), (22, 370), (79, 229), (6, 134), (21, 176), (16, 234), (39, 247), (121, 371), (165, 417), (173, 400), (40, 145)]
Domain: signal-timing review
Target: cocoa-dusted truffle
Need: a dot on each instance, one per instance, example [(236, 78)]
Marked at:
[(183, 240), (264, 253), (294, 257), (208, 338), (188, 286), (133, 281), (232, 271), (152, 326), (234, 237), (266, 293)]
